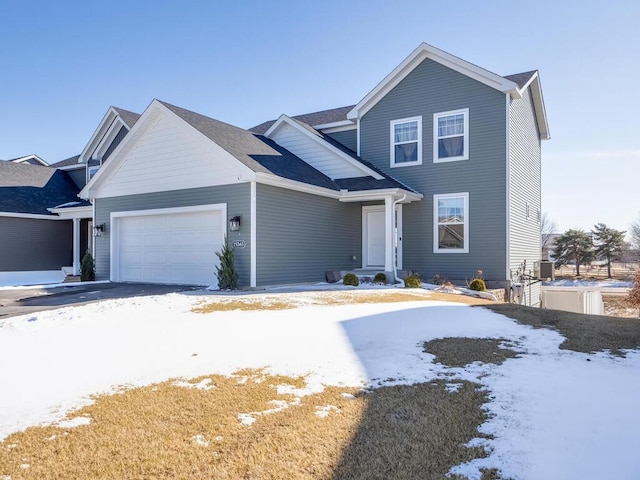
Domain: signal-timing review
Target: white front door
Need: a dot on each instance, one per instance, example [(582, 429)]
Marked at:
[(373, 236)]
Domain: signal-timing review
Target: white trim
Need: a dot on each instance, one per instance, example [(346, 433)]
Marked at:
[(358, 137), (268, 179), (392, 143), (389, 228), (436, 137), (115, 231), (336, 151), (366, 209), (436, 197), (28, 157), (98, 134), (413, 60), (538, 105), (508, 190), (35, 216), (341, 126), (75, 166), (108, 138), (342, 195), (369, 195), (398, 235), (253, 237), (86, 211), (76, 246)]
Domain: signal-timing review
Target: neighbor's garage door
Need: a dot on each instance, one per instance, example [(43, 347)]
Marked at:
[(169, 248)]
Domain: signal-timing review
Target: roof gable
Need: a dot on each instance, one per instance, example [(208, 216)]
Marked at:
[(416, 57), (319, 119), (306, 142), (112, 124), (163, 152), (32, 159)]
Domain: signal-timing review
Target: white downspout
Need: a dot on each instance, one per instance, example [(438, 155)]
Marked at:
[(395, 262)]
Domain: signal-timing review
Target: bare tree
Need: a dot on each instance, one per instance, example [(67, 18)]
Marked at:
[(547, 229), (634, 231), (634, 293)]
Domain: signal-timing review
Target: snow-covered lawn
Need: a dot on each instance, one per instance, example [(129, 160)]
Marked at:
[(557, 413)]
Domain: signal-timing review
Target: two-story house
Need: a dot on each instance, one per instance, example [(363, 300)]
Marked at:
[(436, 170)]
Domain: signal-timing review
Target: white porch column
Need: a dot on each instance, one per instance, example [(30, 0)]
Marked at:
[(76, 246), (388, 234)]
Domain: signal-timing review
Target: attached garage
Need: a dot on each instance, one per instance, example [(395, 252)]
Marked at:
[(175, 245)]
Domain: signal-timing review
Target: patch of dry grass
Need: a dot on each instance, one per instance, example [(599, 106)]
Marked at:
[(286, 301), (584, 333), (167, 431), (458, 352)]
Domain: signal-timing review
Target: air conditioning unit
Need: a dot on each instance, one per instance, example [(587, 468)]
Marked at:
[(547, 270)]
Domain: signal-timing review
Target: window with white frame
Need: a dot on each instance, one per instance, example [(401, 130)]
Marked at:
[(451, 135), (406, 142), (451, 223)]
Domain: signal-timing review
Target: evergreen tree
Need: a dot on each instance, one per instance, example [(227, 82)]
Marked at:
[(226, 272), (573, 246), (609, 243), (87, 268)]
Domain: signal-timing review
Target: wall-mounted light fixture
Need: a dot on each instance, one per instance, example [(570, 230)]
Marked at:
[(234, 223), (98, 230)]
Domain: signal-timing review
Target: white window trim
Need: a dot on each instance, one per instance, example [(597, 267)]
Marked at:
[(392, 151), (436, 116), (465, 196)]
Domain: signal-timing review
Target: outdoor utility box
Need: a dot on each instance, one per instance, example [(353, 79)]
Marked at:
[(547, 270)]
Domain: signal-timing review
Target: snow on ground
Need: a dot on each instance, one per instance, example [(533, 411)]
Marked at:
[(558, 414)]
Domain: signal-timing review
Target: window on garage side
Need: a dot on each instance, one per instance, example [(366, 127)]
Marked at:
[(451, 136), (406, 142), (451, 223)]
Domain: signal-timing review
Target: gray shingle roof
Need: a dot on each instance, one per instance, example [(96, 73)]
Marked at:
[(67, 162), (261, 154), (521, 78), (130, 118), (315, 118), (32, 189)]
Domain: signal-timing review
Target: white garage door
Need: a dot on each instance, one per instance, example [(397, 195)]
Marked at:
[(169, 248)]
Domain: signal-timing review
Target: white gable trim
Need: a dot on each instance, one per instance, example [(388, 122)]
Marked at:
[(538, 105), (340, 154), (413, 60), (36, 216), (145, 123), (108, 123), (26, 159)]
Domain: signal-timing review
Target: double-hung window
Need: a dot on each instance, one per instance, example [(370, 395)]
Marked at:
[(451, 223), (451, 135), (406, 142)]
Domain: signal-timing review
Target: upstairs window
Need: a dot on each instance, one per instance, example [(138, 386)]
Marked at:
[(451, 223), (406, 142), (451, 135)]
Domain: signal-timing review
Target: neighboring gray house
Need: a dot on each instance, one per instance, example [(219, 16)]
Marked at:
[(34, 239), (436, 170)]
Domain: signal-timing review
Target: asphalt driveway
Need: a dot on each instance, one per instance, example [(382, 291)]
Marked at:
[(28, 300)]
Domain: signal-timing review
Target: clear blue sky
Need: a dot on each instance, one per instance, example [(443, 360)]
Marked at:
[(64, 63)]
